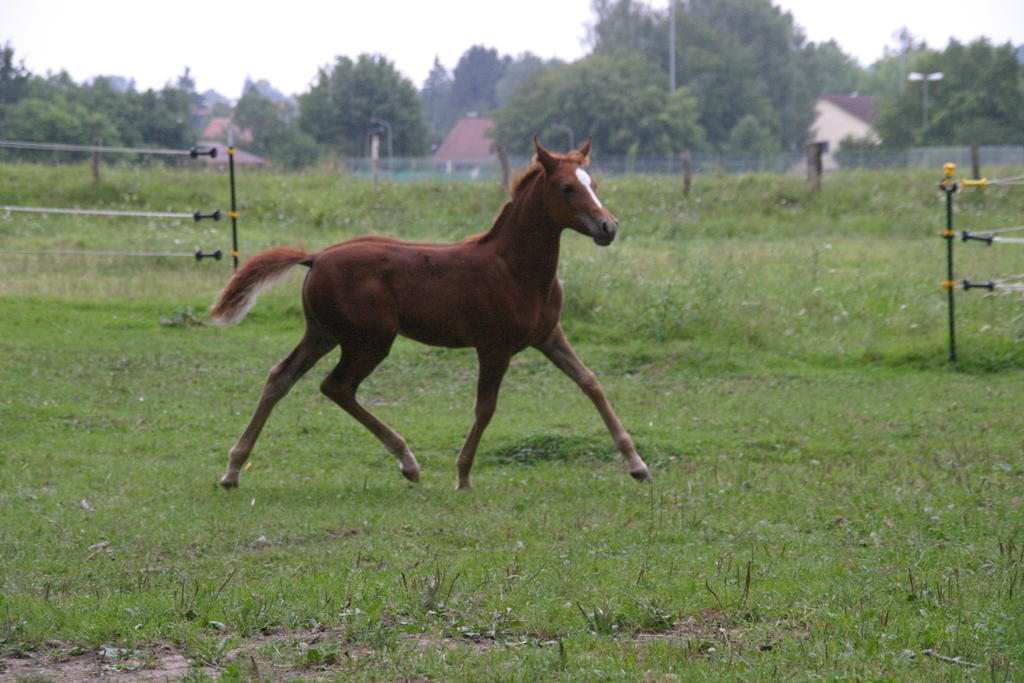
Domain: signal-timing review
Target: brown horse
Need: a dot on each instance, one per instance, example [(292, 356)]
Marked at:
[(496, 292)]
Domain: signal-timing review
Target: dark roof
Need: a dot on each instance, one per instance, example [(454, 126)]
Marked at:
[(861, 106), (466, 142)]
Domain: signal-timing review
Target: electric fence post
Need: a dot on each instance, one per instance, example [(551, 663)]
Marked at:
[(234, 206), (949, 186)]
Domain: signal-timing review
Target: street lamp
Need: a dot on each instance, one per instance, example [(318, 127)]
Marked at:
[(924, 78)]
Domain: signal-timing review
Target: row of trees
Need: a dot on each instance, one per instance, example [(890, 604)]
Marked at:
[(742, 61), (746, 79), (56, 108), (481, 82), (980, 99)]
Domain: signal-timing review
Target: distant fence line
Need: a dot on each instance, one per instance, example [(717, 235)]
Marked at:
[(705, 163), (701, 163), (63, 147)]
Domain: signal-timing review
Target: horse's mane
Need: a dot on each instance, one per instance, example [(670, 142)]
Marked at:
[(520, 177), (520, 180), (529, 172)]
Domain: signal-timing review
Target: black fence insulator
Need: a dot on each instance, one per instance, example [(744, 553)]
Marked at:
[(198, 216), (990, 285), (201, 152), (216, 255), (987, 239)]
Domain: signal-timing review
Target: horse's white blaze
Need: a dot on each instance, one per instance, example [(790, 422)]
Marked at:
[(584, 179)]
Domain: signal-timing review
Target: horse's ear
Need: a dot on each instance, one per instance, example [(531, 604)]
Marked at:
[(584, 149), (544, 157)]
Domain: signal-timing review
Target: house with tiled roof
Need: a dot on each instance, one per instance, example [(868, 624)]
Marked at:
[(467, 143), (218, 128), (217, 132), (840, 116)]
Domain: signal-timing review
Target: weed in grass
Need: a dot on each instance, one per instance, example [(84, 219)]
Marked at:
[(318, 656), (183, 317), (602, 619), (431, 592)]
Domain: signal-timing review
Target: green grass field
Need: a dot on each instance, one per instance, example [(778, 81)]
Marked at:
[(831, 498)]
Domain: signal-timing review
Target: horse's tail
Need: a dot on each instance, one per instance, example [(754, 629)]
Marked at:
[(256, 274)]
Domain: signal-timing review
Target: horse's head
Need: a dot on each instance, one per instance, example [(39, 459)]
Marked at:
[(570, 195)]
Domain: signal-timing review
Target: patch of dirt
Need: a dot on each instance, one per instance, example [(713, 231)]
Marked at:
[(711, 630), (316, 653), (106, 664)]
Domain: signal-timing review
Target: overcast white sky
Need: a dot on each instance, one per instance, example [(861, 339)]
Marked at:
[(285, 42)]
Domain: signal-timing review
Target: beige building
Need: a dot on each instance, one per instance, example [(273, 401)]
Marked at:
[(841, 116)]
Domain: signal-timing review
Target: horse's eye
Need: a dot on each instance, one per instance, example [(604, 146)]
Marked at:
[(568, 189)]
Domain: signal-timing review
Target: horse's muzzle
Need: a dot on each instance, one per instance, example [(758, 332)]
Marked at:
[(604, 231)]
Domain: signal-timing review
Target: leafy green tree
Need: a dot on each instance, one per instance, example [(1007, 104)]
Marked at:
[(765, 50), (475, 80), (484, 81), (853, 152), (724, 81), (275, 128), (980, 99), (187, 84), (834, 71), (264, 88), (57, 109), (887, 77), (122, 108), (629, 25), (56, 120), (737, 57), (618, 98), (337, 110), (437, 100), (749, 136), (256, 112), (164, 118), (517, 72), (14, 77)]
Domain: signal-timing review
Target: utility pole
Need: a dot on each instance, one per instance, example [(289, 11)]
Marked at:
[(671, 46)]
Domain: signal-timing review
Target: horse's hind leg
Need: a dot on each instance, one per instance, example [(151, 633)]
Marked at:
[(281, 379), (356, 364)]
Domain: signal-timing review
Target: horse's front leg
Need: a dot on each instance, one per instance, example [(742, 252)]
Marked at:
[(558, 350), (493, 365)]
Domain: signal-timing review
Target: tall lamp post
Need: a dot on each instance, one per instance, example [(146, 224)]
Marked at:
[(925, 79)]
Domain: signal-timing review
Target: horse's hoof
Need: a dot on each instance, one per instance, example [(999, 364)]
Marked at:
[(229, 483), (641, 475), (411, 475)]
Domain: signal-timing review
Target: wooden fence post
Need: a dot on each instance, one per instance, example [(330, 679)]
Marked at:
[(815, 150), (96, 162), (506, 171), (975, 162), (375, 158), (687, 172)]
